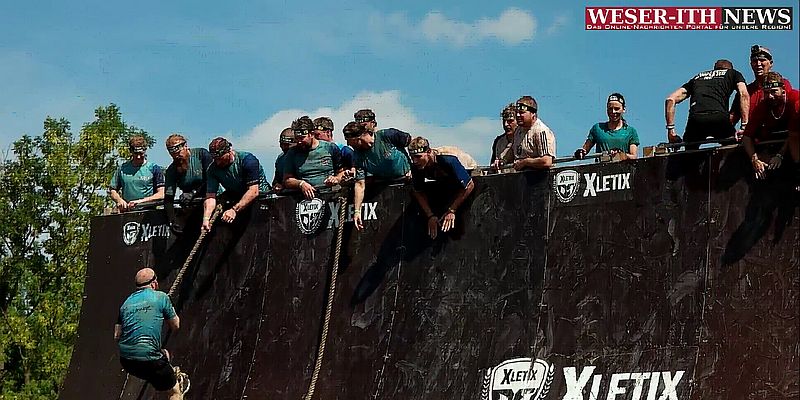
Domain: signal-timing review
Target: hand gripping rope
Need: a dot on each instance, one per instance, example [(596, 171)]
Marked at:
[(179, 277), (331, 295)]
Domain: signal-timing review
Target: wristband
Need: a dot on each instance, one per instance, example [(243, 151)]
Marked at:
[(779, 155), (451, 210), (206, 218), (357, 212), (671, 126)]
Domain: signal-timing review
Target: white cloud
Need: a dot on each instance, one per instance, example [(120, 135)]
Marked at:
[(474, 135), (557, 25), (512, 27)]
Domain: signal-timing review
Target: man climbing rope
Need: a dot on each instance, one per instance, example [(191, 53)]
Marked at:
[(138, 334)]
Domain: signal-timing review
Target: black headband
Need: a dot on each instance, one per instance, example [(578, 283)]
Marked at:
[(525, 107), (138, 149), (773, 84), (365, 119), (143, 284), (418, 150), (614, 97), (287, 139), (176, 147), (301, 132), (323, 128)]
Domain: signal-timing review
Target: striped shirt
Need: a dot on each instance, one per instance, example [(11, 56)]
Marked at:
[(538, 141)]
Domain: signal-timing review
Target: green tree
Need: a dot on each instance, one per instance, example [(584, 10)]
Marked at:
[(50, 187)]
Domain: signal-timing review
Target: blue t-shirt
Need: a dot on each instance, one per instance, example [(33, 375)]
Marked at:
[(607, 140), (141, 317), (136, 183), (385, 159), (347, 155), (315, 165), (191, 180), (446, 170), (243, 172)]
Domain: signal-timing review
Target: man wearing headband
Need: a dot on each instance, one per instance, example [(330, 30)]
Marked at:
[(761, 63), (771, 120), (137, 180), (445, 170), (323, 130), (615, 136), (311, 163), (502, 152), (286, 142), (239, 172), (376, 156), (187, 172), (710, 93), (138, 335), (534, 143)]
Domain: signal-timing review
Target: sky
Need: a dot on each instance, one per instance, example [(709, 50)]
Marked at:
[(443, 70)]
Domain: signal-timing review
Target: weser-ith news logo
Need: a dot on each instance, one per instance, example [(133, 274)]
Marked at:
[(689, 18)]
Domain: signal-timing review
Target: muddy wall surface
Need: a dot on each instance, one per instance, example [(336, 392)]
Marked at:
[(591, 281)]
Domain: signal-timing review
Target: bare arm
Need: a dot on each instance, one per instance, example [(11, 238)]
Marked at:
[(462, 194), (118, 200), (587, 145), (633, 152), (432, 220), (544, 162), (208, 208), (674, 99), (174, 323), (358, 198), (158, 195), (247, 198), (117, 332), (744, 102)]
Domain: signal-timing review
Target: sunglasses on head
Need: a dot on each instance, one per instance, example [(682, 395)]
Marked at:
[(175, 148), (524, 107)]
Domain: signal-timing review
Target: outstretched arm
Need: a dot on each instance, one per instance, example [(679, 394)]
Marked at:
[(674, 99)]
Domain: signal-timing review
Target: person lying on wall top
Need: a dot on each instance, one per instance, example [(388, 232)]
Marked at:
[(239, 172), (311, 163), (376, 155), (136, 180), (616, 137), (446, 170)]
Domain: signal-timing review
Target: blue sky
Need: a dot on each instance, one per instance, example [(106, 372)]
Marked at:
[(443, 70)]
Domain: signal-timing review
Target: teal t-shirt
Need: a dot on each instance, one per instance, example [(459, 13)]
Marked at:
[(245, 170), (385, 159), (136, 183), (278, 178), (142, 316), (193, 179), (607, 140), (315, 165)]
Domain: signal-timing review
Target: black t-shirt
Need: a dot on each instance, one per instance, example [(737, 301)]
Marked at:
[(711, 91)]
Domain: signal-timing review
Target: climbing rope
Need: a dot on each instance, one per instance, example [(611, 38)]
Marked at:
[(179, 278), (331, 295)]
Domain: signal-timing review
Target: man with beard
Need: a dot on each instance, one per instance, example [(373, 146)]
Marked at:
[(137, 180), (286, 142), (376, 155), (311, 163), (776, 114), (534, 143), (761, 63), (446, 170), (187, 172), (502, 152), (239, 172), (323, 130)]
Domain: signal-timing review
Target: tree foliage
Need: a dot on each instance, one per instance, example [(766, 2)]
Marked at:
[(51, 186)]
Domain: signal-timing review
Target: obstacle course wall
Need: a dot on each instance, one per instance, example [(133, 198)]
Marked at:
[(595, 281)]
